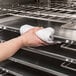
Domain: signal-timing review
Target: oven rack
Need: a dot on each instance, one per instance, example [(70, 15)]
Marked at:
[(48, 14)]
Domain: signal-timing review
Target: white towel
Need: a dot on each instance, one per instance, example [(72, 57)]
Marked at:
[(45, 34), (25, 28)]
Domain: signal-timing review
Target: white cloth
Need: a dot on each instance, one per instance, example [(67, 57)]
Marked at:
[(25, 28), (45, 34)]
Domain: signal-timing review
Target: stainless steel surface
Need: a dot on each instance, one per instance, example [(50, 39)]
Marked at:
[(58, 59), (68, 66), (61, 15), (59, 31), (21, 70), (66, 34)]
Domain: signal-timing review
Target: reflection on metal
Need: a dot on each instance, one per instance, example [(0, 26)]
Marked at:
[(57, 59)]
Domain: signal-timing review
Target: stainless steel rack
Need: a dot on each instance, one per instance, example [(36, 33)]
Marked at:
[(58, 59)]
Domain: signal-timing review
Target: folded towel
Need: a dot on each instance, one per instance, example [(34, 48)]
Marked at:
[(45, 34), (25, 28)]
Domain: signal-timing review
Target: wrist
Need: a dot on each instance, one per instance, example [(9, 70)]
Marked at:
[(21, 41)]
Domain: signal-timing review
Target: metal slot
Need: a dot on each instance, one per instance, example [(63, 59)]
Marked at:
[(55, 10), (29, 9), (70, 26), (37, 10), (57, 50), (26, 14), (14, 12), (12, 8), (4, 12), (69, 66), (58, 7), (8, 74), (26, 9), (12, 29), (72, 13), (66, 7), (46, 16), (21, 70), (46, 10), (65, 19), (74, 8), (35, 15), (63, 12), (23, 14), (7, 35), (16, 24), (56, 18), (39, 16), (34, 10), (39, 62), (22, 8), (69, 47), (4, 16), (4, 72)]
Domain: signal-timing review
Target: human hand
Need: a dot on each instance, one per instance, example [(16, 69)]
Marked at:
[(30, 39)]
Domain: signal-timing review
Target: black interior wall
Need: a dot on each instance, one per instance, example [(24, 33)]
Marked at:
[(8, 2), (59, 2)]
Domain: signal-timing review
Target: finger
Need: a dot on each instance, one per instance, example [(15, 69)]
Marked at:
[(37, 28)]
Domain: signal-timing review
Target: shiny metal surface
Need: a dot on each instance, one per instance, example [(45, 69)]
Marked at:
[(21, 70), (66, 34), (59, 31), (43, 60)]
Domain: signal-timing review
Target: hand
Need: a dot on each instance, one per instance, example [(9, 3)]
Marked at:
[(30, 39)]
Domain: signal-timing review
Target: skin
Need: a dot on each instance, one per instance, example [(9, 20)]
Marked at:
[(9, 48)]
